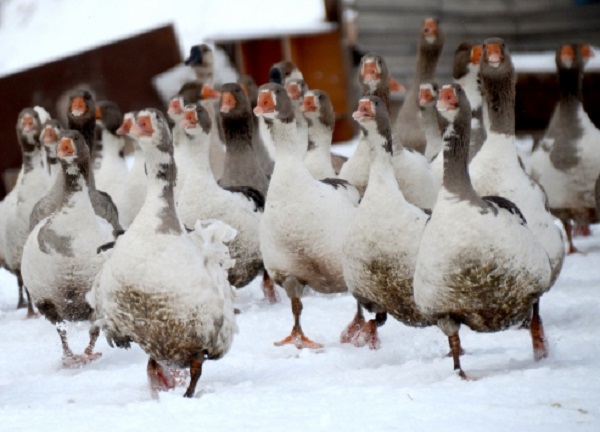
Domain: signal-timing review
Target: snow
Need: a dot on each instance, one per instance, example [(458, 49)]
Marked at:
[(406, 385)]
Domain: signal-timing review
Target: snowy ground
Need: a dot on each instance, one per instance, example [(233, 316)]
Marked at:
[(406, 385)]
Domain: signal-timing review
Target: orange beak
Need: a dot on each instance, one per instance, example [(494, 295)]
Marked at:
[(265, 104), (125, 127), (308, 104), (293, 91), (49, 135), (567, 55), (228, 102), (494, 54), (27, 123), (425, 96), (190, 120), (430, 29), (395, 86), (209, 93), (143, 127), (364, 111), (447, 100), (175, 107), (78, 107), (370, 71), (476, 53), (66, 148)]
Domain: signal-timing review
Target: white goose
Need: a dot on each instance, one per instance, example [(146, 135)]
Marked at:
[(112, 172), (318, 111), (161, 287), (305, 220), (31, 186), (60, 259), (134, 191), (496, 168), (478, 262), (567, 160), (380, 249), (413, 172), (202, 198)]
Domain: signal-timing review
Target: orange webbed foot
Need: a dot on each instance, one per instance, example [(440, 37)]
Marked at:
[(299, 340)]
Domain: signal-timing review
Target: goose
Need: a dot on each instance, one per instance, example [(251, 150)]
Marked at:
[(51, 128), (192, 92), (373, 78), (240, 208), (31, 185), (47, 204), (413, 172), (265, 160), (134, 191), (320, 118), (201, 60), (296, 88), (201, 91), (81, 116), (60, 259), (241, 167), (465, 71), (478, 262), (305, 220), (408, 131), (434, 124), (279, 73), (567, 160), (380, 248), (179, 317), (496, 168), (111, 172)]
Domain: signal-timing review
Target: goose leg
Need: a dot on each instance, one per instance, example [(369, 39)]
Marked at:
[(72, 361), (355, 325), (21, 302), (89, 350), (62, 333), (30, 312), (195, 373), (368, 333), (268, 287), (569, 231), (294, 289), (540, 345), (450, 329), (158, 377)]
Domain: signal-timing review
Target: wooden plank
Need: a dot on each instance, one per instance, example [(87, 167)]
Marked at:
[(121, 71)]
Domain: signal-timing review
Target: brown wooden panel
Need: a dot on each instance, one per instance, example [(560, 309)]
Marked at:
[(120, 71), (258, 56)]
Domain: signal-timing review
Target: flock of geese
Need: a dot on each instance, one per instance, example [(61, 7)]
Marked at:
[(434, 219)]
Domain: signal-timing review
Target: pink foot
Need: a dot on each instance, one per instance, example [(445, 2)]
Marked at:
[(352, 329), (76, 361), (367, 335)]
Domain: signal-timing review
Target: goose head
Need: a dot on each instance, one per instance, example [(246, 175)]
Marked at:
[(195, 121), (274, 103)]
